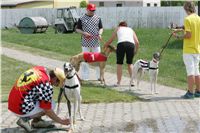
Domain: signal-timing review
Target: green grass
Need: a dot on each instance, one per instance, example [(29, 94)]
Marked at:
[(171, 67), (11, 69)]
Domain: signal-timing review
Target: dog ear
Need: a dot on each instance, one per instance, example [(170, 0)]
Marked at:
[(156, 55), (70, 65), (64, 66), (80, 57), (70, 59), (78, 67)]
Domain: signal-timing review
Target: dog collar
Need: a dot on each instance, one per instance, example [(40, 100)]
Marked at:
[(71, 87), (153, 68), (71, 76)]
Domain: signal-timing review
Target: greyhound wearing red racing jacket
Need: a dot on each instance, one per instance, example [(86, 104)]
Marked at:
[(95, 59)]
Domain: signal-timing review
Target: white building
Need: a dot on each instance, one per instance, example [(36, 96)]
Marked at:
[(126, 3)]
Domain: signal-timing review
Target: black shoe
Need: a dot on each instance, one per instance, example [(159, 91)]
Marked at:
[(188, 95), (132, 85), (197, 94)]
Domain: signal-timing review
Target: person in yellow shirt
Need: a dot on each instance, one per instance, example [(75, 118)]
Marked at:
[(191, 49)]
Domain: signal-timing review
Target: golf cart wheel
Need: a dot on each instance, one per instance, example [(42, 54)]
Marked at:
[(60, 29)]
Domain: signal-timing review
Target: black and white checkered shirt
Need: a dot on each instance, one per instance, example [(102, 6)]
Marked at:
[(92, 25), (42, 93)]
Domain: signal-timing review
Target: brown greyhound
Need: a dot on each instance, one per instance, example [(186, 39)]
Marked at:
[(77, 59)]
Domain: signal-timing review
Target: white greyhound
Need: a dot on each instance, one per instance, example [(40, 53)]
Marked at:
[(72, 91), (141, 67)]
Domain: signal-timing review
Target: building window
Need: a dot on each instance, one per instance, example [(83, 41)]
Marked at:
[(155, 4), (119, 5), (148, 4), (101, 4)]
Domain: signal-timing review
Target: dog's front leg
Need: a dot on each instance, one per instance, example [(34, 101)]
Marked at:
[(152, 80), (75, 111), (131, 80), (59, 99), (68, 105), (71, 122), (79, 108), (155, 84), (139, 75), (102, 66), (151, 86), (101, 73), (102, 78)]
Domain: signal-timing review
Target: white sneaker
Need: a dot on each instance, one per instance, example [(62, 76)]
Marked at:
[(42, 124), (25, 125)]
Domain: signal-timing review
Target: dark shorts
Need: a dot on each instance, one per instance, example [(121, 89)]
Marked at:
[(125, 48)]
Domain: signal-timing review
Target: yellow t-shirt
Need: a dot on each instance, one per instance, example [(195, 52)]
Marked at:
[(192, 24)]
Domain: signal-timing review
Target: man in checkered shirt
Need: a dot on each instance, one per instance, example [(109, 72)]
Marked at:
[(31, 97), (91, 28)]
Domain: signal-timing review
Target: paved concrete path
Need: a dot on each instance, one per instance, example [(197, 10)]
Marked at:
[(162, 113)]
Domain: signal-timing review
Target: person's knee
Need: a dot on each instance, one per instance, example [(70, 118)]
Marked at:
[(119, 62), (196, 73), (130, 65), (129, 62), (190, 70)]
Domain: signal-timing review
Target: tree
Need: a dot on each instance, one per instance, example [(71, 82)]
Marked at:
[(83, 4), (172, 3)]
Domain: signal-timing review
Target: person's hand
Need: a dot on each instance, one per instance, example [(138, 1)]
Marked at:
[(100, 37), (105, 45), (87, 35), (174, 34), (135, 51), (176, 30), (65, 121), (178, 36)]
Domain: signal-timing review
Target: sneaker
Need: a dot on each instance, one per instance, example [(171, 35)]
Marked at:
[(197, 94), (25, 125), (132, 84), (42, 124), (188, 95), (116, 85)]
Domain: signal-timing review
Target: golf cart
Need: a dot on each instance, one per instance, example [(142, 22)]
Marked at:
[(66, 20)]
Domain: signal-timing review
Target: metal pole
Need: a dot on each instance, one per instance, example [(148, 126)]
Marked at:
[(199, 8)]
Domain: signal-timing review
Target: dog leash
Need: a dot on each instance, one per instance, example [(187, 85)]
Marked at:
[(97, 36), (164, 46), (172, 26)]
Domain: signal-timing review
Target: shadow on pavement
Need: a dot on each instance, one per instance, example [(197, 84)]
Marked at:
[(150, 125), (41, 130)]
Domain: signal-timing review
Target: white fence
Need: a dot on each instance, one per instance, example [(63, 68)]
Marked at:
[(136, 17)]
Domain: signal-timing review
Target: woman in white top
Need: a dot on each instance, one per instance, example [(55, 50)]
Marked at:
[(127, 44)]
